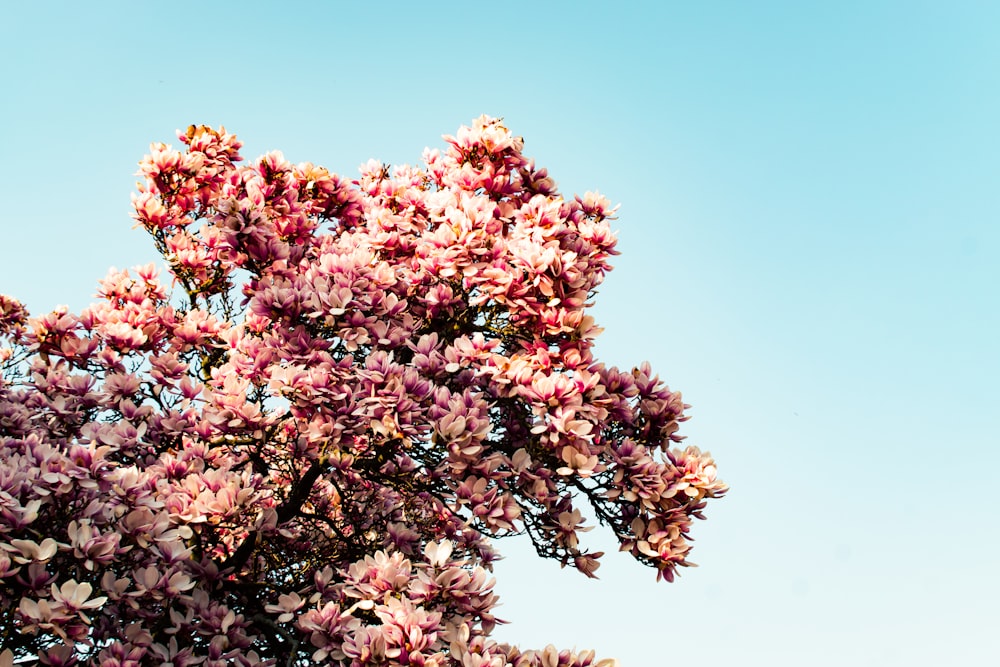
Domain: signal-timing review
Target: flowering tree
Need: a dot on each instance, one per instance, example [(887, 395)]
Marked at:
[(304, 455)]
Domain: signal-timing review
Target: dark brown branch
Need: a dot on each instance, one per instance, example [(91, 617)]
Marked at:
[(286, 511)]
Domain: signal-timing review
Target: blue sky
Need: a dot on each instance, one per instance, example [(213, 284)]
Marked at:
[(810, 252)]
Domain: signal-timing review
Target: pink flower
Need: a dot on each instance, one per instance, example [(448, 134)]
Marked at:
[(75, 596), (305, 445)]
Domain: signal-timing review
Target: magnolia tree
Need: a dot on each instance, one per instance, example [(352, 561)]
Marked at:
[(303, 451)]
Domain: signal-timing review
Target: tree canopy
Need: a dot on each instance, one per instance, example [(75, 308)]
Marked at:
[(302, 447)]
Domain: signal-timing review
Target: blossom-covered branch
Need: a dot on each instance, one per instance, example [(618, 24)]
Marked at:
[(304, 455)]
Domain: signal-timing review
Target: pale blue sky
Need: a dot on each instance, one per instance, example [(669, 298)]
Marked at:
[(809, 229)]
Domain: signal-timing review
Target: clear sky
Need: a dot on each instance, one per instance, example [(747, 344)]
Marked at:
[(810, 252)]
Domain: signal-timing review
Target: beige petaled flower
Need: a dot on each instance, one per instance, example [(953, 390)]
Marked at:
[(32, 551), (438, 553), (286, 607), (38, 610), (74, 596)]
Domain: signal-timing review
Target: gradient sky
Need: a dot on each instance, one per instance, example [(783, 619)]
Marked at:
[(810, 252)]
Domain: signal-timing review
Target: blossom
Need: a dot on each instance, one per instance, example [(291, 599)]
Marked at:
[(75, 596), (26, 551), (302, 442)]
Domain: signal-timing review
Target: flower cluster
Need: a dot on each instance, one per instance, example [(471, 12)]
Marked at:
[(306, 454)]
